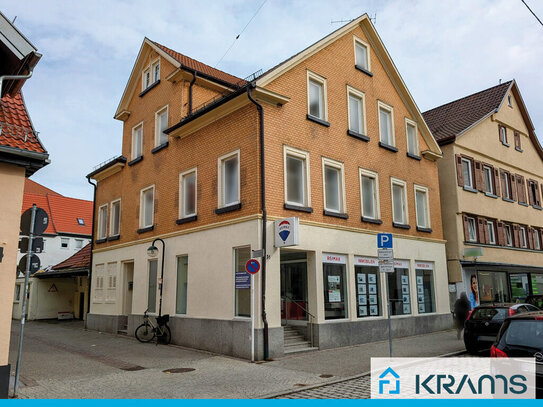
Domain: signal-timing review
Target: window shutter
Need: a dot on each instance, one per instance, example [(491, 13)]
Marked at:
[(530, 237), (516, 235), (513, 182), (530, 195), (481, 232), (501, 234), (517, 140), (497, 182), (479, 176), (466, 228), (502, 178), (459, 172), (537, 194), (523, 189)]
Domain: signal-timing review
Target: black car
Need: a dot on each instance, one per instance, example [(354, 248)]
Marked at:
[(485, 321), (521, 336), (535, 300)]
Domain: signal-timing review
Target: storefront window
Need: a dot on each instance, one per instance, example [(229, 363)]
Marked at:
[(493, 286), (368, 291), (425, 287), (519, 286), (335, 286), (537, 284), (182, 280), (151, 294), (242, 282), (398, 285)]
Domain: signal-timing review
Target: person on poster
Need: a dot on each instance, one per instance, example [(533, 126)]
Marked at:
[(461, 311), (474, 295)]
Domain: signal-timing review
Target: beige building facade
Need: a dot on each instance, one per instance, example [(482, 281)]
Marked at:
[(491, 182)]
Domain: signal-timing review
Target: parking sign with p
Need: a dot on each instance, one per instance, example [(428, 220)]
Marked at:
[(384, 241)]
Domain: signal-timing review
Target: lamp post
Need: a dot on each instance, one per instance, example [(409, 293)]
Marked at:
[(152, 251)]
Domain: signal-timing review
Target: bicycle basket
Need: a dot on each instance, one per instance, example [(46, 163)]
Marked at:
[(163, 319)]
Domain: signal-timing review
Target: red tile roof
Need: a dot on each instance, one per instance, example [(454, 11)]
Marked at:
[(32, 187), (63, 212), (453, 118), (15, 126), (80, 260), (200, 66)]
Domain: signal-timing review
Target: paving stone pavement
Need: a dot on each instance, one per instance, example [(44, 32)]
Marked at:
[(63, 360), (357, 388)]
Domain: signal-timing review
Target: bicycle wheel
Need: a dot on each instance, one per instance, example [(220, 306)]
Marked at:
[(166, 336), (145, 333)]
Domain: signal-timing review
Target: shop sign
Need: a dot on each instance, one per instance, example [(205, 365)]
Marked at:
[(287, 232), (424, 265), (473, 252), (401, 264), (334, 258), (365, 261)]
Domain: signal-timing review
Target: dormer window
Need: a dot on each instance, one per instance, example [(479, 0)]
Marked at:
[(81, 221)]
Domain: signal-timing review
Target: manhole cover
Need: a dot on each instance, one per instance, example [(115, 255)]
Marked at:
[(132, 368), (326, 376), (179, 370)]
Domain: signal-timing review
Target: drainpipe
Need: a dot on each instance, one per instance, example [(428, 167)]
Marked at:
[(194, 74), (264, 216), (92, 249)]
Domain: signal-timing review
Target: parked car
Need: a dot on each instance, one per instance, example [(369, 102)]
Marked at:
[(485, 321), (535, 300), (522, 336)]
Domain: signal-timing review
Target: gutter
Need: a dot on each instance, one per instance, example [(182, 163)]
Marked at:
[(15, 77), (264, 216), (92, 248)]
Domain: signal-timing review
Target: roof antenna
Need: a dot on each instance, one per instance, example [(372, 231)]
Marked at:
[(374, 19), (13, 22), (341, 21), (500, 81)]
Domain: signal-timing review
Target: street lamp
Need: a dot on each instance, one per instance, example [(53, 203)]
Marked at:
[(152, 251)]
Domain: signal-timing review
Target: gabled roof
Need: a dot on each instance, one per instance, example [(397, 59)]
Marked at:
[(32, 187), (16, 130), (79, 261), (63, 212), (454, 118), (384, 57)]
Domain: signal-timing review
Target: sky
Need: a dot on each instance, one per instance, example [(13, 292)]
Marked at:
[(443, 49)]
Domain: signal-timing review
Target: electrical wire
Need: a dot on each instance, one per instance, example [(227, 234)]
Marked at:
[(528, 7), (237, 36)]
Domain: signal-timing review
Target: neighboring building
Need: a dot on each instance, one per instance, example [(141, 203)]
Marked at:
[(490, 178), (21, 154), (59, 292), (70, 223), (346, 152)]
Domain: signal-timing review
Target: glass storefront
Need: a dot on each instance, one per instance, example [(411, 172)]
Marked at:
[(368, 289), (335, 286), (520, 287), (398, 285), (424, 272), (537, 284), (493, 286)]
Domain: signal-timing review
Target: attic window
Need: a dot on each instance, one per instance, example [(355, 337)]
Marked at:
[(151, 75), (81, 221), (509, 101)]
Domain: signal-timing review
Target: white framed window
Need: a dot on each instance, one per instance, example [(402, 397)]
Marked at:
[(489, 179), (503, 135), (155, 69), (137, 141), (147, 207), (361, 54), (356, 102), (369, 194), (161, 124), (188, 193), (506, 178), (422, 207), (115, 218), (508, 236), (102, 221), (78, 244), (111, 292), (146, 79), (151, 74), (523, 242), (242, 292), (399, 201), (412, 138), (472, 230), (491, 232), (17, 296), (296, 178), (316, 96), (467, 172), (537, 243), (229, 182), (509, 101), (333, 185), (98, 286), (386, 124)]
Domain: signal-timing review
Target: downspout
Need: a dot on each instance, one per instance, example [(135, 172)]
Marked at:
[(194, 74), (92, 249), (264, 216)]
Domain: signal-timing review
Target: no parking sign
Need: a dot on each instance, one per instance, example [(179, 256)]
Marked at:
[(252, 266)]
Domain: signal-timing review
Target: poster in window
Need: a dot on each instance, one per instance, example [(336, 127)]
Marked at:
[(372, 289), (362, 299), (373, 299), (362, 311), (420, 289), (334, 295), (361, 278), (419, 280), (421, 297), (405, 299), (421, 308), (334, 279), (405, 289), (361, 288), (374, 310), (406, 309), (405, 279), (372, 278)]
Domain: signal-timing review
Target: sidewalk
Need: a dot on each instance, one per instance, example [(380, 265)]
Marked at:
[(62, 360)]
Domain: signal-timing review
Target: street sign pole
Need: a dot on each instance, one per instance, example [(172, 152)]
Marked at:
[(25, 300), (252, 317), (389, 323)]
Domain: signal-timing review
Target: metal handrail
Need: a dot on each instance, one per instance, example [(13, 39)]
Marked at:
[(311, 316), (298, 305)]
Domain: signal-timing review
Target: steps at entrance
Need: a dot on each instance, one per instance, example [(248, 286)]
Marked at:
[(295, 342)]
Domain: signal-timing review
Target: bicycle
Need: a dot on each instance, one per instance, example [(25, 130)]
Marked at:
[(147, 331)]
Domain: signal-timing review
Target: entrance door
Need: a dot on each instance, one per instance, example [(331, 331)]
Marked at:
[(128, 284), (293, 291)]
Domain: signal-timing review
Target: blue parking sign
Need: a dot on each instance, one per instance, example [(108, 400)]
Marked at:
[(384, 240)]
